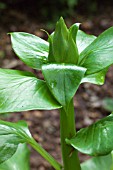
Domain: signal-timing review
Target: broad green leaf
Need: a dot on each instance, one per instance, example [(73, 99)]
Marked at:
[(96, 78), (97, 163), (32, 50), (62, 45), (11, 135), (19, 161), (21, 91), (95, 140), (108, 104), (63, 80), (83, 40), (99, 54)]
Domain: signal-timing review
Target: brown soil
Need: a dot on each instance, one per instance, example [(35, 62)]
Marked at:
[(44, 125)]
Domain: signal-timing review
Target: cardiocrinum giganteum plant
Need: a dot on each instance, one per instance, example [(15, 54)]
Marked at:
[(69, 57)]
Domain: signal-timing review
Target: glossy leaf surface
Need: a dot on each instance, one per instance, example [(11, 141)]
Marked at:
[(99, 54), (83, 40), (96, 78), (97, 163), (95, 140), (11, 135), (32, 50), (63, 80), (21, 91), (19, 161)]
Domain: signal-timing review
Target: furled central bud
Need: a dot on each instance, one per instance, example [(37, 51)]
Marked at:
[(62, 74), (63, 48)]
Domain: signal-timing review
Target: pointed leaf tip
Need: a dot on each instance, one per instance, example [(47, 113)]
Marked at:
[(32, 50), (61, 19), (63, 80)]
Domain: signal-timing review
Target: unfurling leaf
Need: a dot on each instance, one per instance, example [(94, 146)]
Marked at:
[(63, 47)]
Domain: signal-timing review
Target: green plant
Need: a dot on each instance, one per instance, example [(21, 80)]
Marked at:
[(69, 58)]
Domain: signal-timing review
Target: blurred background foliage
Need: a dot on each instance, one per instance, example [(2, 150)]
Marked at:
[(54, 9)]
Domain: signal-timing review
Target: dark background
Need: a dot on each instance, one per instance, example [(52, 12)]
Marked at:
[(32, 15)]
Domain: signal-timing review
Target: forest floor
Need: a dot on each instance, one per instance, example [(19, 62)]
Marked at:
[(44, 125)]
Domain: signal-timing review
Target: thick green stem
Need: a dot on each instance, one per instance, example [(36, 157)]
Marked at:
[(67, 130), (45, 155)]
